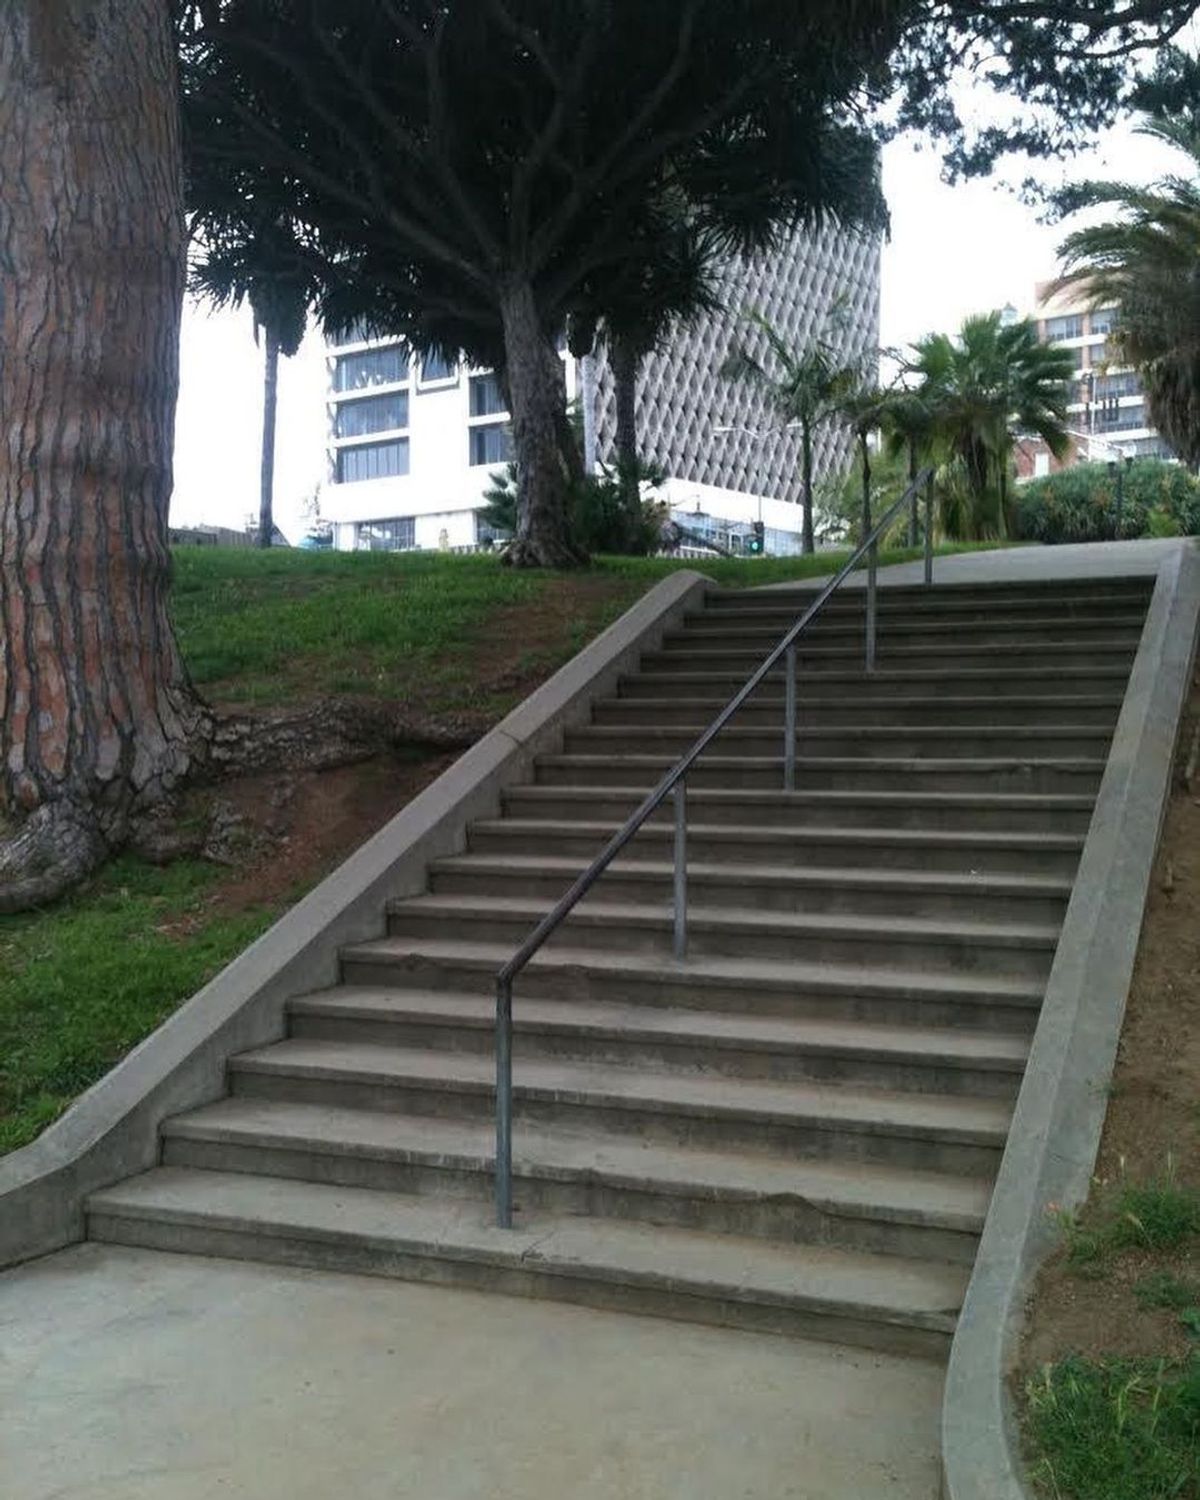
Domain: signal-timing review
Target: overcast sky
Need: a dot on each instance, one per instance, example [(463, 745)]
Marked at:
[(952, 251)]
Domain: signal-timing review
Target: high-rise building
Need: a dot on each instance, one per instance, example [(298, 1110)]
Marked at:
[(1107, 413), (412, 442)]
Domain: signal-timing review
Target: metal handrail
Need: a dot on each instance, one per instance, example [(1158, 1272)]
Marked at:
[(674, 784)]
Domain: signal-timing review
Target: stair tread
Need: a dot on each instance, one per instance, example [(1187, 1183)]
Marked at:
[(808, 646), (785, 974), (1042, 934), (894, 1193), (949, 1117), (898, 763), (1062, 701), (916, 838), (821, 876), (593, 1017), (919, 1293), (1046, 801), (1122, 619), (1061, 731)]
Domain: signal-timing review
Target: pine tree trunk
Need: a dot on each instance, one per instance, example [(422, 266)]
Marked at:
[(97, 717), (537, 394), (807, 542), (266, 493), (912, 479), (625, 361), (865, 450)]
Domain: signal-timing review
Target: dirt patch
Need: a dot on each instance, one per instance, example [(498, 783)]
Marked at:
[(279, 834), (1153, 1122)]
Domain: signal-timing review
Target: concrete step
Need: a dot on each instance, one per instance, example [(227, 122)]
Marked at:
[(889, 994), (764, 887), (815, 1292), (1043, 628), (903, 1058), (887, 681), (812, 659), (1078, 776), (890, 741), (979, 946), (854, 1206), (990, 600), (929, 810), (1047, 855), (932, 1132), (820, 709)]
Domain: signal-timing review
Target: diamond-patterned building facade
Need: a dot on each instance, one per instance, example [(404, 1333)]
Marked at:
[(822, 284)]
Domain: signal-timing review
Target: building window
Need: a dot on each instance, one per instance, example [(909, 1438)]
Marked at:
[(387, 536), (436, 369), (1103, 321), (1125, 384), (486, 533), (1114, 418), (487, 399), (1064, 328), (491, 444), (371, 414), (372, 461), (357, 372)]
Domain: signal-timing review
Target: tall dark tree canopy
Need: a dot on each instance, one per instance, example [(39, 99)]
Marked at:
[(478, 170)]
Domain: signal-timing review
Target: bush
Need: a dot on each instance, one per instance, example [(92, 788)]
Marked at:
[(1080, 504), (599, 521)]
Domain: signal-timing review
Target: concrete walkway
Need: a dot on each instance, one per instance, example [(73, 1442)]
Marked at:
[(1097, 560), (132, 1375)]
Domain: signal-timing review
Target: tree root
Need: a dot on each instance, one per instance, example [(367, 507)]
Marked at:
[(528, 554), (52, 850), (335, 732)]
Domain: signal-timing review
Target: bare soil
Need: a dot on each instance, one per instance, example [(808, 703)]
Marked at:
[(1153, 1122)]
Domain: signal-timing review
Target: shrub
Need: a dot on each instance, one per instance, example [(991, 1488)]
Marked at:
[(1080, 504)]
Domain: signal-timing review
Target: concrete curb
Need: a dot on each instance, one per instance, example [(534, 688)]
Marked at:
[(111, 1132), (1060, 1110)]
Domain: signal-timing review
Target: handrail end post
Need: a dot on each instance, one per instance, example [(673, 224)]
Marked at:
[(504, 1103)]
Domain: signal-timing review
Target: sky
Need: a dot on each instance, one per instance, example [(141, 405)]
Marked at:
[(952, 251)]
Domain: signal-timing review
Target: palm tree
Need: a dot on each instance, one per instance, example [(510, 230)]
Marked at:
[(1147, 265), (807, 388), (982, 388)]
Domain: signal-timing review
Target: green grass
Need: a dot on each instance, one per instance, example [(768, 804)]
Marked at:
[(270, 627), (82, 983), (1154, 1216), (1163, 1289), (1116, 1430)]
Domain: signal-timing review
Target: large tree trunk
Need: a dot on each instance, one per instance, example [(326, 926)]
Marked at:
[(625, 362), (266, 492), (913, 470), (97, 717), (807, 542), (537, 394)]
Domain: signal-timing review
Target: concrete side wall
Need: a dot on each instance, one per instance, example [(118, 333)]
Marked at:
[(111, 1132), (1060, 1110)]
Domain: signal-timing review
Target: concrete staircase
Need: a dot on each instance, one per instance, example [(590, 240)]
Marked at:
[(796, 1129)]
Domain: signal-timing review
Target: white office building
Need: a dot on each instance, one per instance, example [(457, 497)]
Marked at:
[(412, 442)]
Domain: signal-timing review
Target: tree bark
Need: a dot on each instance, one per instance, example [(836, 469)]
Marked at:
[(266, 493), (537, 394), (97, 716), (912, 479), (807, 541), (625, 362), (865, 450)]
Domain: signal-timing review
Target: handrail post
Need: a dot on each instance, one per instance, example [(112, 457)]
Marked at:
[(504, 1103), (679, 797), (872, 561), (789, 720), (929, 532)]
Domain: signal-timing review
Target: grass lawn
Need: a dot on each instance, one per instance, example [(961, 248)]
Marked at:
[(276, 627), (82, 983)]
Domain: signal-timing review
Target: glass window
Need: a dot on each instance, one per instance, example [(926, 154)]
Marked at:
[(1125, 384), (387, 536), (372, 461), (487, 399), (437, 367), (355, 372), (485, 532), (491, 444), (1065, 328), (371, 414), (1103, 320)]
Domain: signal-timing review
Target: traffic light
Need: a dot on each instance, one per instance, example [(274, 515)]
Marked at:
[(755, 545)]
